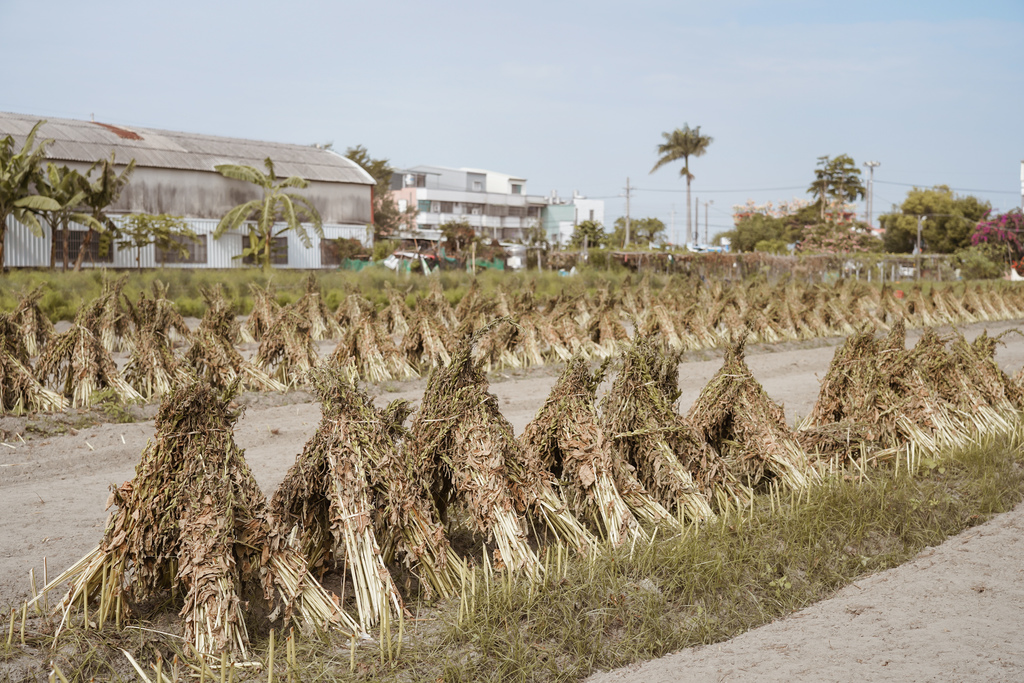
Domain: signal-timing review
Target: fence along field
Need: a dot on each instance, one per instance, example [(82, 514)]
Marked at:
[(376, 498)]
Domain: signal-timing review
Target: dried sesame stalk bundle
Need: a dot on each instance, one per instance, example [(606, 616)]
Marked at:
[(397, 314), (111, 322), (429, 341), (287, 346), (76, 362), (566, 437), (264, 311), (35, 327), (605, 328), (366, 345), (153, 368), (193, 522), (737, 418), (20, 392), (464, 451), (347, 500), (213, 353), (311, 306), (650, 436)]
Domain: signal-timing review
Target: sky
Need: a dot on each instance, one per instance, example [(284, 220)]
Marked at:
[(569, 95)]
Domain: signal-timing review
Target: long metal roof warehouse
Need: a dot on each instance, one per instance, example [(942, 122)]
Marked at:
[(175, 175)]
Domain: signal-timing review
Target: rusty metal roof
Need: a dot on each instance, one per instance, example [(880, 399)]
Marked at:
[(89, 141)]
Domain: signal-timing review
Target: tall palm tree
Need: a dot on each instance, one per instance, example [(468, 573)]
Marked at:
[(683, 143), (275, 205)]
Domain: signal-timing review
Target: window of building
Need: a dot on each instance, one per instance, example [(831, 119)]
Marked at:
[(518, 211), (478, 186), (100, 249), (591, 214), (435, 207), (278, 251), (447, 207), (423, 206), (475, 209), (517, 188), (533, 211), (403, 205), (497, 210), (329, 253), (191, 251)]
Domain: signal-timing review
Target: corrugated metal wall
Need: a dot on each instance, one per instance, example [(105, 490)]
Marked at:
[(25, 250)]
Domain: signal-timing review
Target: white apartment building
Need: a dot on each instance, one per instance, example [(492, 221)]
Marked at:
[(494, 204)]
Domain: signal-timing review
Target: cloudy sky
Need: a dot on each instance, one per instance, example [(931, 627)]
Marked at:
[(570, 95)]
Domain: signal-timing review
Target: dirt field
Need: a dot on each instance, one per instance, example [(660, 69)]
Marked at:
[(952, 614)]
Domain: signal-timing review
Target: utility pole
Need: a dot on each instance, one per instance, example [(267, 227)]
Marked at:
[(696, 221), (672, 228), (625, 242), (919, 220), (871, 189), (706, 204)]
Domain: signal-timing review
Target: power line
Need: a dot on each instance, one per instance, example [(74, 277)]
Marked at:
[(925, 186)]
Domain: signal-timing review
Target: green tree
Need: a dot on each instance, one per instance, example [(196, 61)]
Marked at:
[(836, 181), (387, 218), (643, 231), (947, 223), (591, 231), (458, 235), (20, 171), (683, 143), (276, 205), (100, 194), (64, 187), (167, 233)]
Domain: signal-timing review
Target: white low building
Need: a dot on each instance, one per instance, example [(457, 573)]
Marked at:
[(175, 175)]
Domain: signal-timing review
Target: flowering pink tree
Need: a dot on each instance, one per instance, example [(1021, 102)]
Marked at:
[(1002, 231)]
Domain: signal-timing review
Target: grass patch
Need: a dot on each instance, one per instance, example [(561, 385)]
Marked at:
[(629, 604)]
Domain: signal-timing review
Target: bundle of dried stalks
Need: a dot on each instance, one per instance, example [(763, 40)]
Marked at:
[(20, 392), (193, 522), (440, 304), (311, 306), (737, 418), (650, 436), (605, 328), (77, 363), (567, 439), (347, 497), (213, 354), (153, 368), (464, 452), (264, 311), (876, 386), (36, 329), (111, 322), (366, 345), (429, 341), (287, 346), (397, 314)]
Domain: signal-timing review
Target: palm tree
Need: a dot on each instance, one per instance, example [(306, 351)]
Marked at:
[(63, 187), (683, 143), (19, 171), (275, 205), (100, 194)]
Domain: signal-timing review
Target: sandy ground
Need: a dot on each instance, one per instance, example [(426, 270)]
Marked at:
[(955, 613)]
